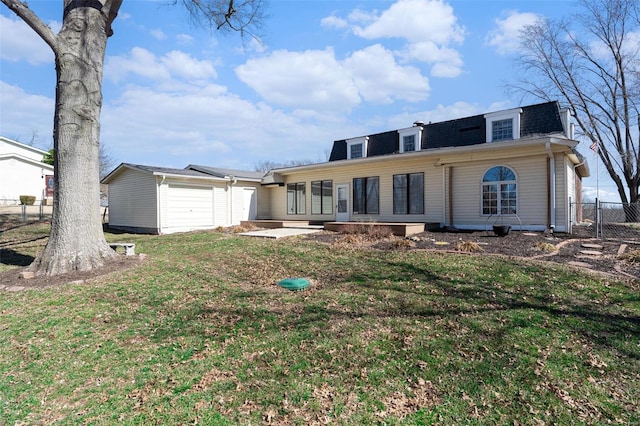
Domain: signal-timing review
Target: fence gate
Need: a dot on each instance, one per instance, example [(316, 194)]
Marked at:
[(617, 221)]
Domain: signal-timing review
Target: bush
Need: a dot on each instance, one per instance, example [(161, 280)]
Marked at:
[(27, 200)]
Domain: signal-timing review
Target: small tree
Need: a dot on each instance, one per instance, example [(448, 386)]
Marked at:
[(595, 70), (77, 241)]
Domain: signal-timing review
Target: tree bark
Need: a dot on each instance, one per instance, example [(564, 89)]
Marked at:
[(77, 241)]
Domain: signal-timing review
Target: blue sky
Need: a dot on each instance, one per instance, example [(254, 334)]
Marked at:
[(177, 94)]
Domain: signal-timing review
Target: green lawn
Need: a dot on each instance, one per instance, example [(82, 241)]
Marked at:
[(201, 334)]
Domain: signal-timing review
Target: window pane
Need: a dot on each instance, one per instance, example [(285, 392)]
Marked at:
[(316, 197), (358, 195), (416, 193), (409, 143), (489, 199), (300, 198), (502, 129), (291, 198), (400, 194), (327, 197), (356, 151), (499, 174), (372, 195)]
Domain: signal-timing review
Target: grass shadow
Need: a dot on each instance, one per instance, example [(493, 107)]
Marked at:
[(12, 257)]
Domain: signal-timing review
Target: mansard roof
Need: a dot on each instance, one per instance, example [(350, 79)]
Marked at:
[(535, 120)]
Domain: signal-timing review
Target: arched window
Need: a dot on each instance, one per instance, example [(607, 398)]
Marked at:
[(499, 191)]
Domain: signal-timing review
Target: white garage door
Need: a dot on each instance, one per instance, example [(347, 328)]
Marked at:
[(189, 207)]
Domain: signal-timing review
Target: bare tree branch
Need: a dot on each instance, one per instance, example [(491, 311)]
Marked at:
[(595, 71)]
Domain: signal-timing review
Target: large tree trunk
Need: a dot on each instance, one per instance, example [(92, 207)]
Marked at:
[(77, 241)]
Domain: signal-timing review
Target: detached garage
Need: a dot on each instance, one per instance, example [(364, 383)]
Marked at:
[(161, 200)]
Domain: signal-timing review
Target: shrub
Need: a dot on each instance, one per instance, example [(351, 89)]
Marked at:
[(27, 200)]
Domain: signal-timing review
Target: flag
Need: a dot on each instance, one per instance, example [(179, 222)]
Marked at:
[(594, 147)]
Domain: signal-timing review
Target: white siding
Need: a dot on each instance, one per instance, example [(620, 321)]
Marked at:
[(133, 201), (221, 205), (18, 178)]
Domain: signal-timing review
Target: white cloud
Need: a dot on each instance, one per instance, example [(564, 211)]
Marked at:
[(428, 42), (311, 79), (25, 114), (446, 62), (206, 125), (406, 19), (143, 63), (184, 39), (380, 79), (506, 36), (158, 34), (334, 22), (316, 79), (18, 42)]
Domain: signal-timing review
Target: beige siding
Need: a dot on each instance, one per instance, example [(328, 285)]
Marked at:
[(345, 174), (453, 184), (132, 201), (531, 192)]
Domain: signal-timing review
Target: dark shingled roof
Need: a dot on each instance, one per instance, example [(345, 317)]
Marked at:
[(221, 172), (166, 170), (540, 119)]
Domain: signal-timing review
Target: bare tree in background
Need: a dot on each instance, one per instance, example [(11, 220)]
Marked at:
[(592, 65), (77, 241)]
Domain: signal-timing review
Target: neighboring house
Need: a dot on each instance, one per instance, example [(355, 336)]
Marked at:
[(22, 171), (162, 200), (517, 167)]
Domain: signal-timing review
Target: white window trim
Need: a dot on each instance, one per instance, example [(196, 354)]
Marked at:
[(415, 130), (513, 114), (357, 141), (482, 184)]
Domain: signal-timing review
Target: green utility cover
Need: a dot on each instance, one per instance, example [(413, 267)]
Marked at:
[(294, 284)]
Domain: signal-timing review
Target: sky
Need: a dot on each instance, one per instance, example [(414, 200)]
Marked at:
[(175, 93)]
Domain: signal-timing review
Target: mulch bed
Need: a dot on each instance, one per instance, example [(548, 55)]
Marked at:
[(570, 251)]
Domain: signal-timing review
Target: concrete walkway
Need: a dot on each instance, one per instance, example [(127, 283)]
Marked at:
[(281, 232)]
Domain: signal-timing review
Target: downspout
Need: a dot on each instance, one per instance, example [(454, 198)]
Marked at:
[(573, 176), (159, 204), (444, 197), (232, 181), (552, 187)]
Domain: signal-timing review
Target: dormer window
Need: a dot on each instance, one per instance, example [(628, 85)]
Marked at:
[(357, 148), (502, 129), (503, 125), (410, 139)]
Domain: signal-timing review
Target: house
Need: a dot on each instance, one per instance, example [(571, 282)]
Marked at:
[(160, 200), (517, 167), (22, 172), (514, 167)]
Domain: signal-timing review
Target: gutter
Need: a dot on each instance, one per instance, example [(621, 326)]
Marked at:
[(552, 187)]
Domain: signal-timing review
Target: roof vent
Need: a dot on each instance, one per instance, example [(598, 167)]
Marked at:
[(418, 123)]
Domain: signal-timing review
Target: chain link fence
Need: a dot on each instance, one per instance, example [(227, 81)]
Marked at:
[(605, 220), (17, 213)]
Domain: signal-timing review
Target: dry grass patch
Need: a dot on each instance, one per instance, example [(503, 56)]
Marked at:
[(632, 256), (545, 247), (468, 246)]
